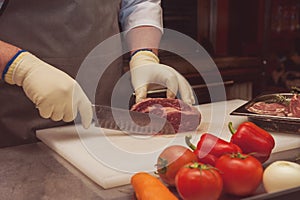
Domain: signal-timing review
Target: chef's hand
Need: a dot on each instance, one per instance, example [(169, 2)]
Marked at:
[(146, 72), (57, 95)]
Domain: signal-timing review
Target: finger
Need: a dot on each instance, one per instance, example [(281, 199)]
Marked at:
[(86, 112), (68, 116), (172, 85), (70, 112), (185, 90), (140, 93), (45, 110), (82, 105), (57, 115), (170, 94)]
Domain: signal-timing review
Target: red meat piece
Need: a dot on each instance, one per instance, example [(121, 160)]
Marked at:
[(294, 106), (275, 109), (182, 116)]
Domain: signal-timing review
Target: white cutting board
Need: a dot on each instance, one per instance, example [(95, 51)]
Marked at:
[(110, 157)]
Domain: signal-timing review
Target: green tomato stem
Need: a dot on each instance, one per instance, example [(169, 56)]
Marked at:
[(239, 155)]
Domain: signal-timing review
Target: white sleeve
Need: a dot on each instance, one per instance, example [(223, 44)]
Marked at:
[(134, 13)]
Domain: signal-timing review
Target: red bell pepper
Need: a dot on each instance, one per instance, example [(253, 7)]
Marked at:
[(253, 140), (210, 148)]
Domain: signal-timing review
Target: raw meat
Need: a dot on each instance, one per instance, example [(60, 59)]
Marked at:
[(291, 108), (274, 109), (182, 116), (294, 106)]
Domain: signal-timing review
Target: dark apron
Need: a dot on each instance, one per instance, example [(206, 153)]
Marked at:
[(62, 33)]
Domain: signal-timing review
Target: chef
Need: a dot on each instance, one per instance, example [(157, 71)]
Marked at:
[(43, 43)]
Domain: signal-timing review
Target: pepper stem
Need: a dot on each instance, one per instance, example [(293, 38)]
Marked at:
[(189, 143), (232, 130)]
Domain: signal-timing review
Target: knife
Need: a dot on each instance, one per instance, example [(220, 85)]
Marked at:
[(131, 122)]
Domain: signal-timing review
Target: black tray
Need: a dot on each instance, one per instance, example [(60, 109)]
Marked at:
[(272, 123)]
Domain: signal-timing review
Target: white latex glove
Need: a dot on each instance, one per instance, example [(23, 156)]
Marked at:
[(57, 95), (145, 71)]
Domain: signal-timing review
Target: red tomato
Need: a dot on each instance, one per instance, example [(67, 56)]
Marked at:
[(197, 181), (171, 160), (241, 173)]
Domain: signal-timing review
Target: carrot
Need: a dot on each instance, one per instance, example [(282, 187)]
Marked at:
[(148, 187)]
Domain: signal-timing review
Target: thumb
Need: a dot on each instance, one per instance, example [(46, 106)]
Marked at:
[(141, 93), (185, 90)]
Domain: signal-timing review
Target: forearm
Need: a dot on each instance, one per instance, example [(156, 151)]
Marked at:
[(7, 51), (144, 37)]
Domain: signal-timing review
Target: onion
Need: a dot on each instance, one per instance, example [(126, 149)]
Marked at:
[(281, 175)]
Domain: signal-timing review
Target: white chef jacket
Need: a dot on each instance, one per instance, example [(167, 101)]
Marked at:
[(136, 13)]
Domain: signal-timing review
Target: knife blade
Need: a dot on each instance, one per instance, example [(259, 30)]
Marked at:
[(131, 122)]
